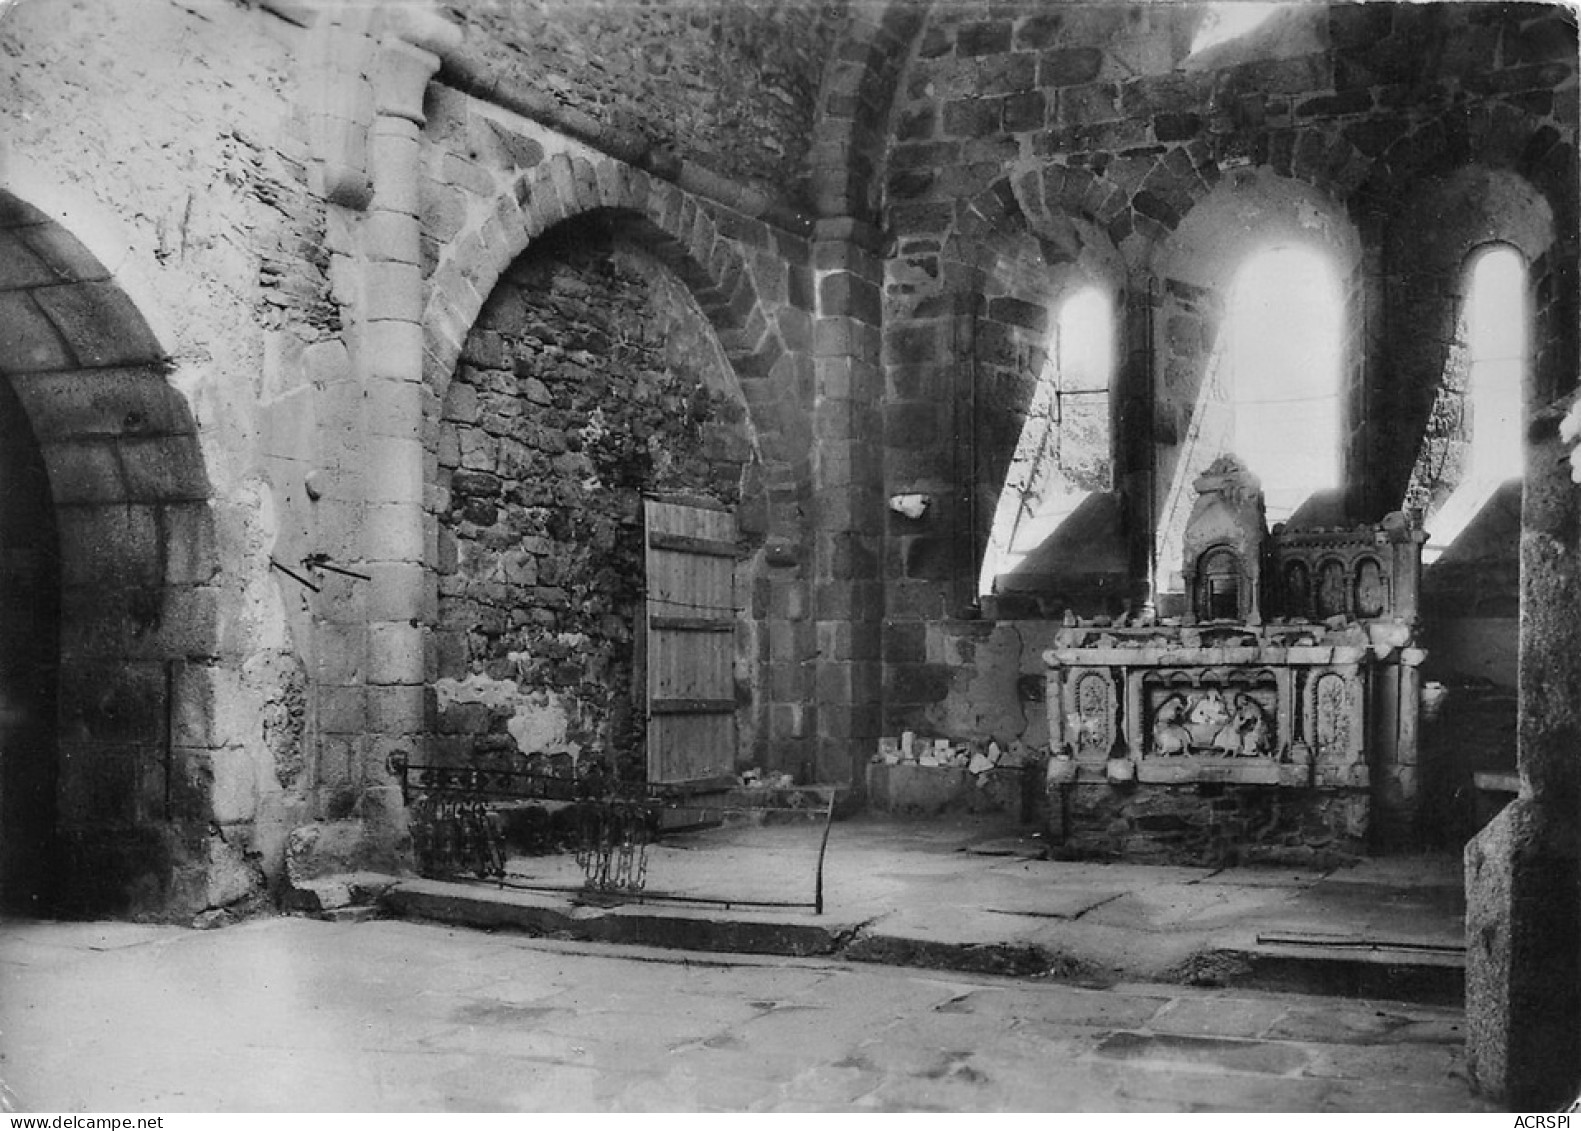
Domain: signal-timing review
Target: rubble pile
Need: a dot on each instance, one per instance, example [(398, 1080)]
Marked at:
[(980, 758)]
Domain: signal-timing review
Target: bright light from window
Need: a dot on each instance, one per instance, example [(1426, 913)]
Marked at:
[(1062, 455), (1086, 342), (1284, 340), (1497, 325), (1227, 21), (1270, 393), (1496, 342)]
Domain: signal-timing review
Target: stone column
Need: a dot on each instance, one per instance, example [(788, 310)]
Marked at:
[(1523, 871), (373, 66), (848, 516), (1396, 781), (394, 544)]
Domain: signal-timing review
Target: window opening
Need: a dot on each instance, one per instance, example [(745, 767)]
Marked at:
[(1284, 365), (1063, 453), (1271, 391), (1226, 21), (1480, 409)]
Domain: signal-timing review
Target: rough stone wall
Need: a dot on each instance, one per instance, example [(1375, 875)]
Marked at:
[(1090, 132), (731, 85), (590, 379), (494, 182), (1215, 826)]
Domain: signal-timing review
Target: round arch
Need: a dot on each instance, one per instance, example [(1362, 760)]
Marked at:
[(1420, 200), (849, 144), (1006, 267), (128, 499), (762, 342), (1249, 212), (1433, 235)]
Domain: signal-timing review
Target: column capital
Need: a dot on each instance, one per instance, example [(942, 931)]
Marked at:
[(363, 63), (422, 25), (400, 77)]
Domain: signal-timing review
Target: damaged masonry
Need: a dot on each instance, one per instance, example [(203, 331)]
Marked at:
[(434, 436)]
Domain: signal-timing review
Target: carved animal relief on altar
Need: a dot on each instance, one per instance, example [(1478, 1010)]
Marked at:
[(1285, 646), (1233, 725)]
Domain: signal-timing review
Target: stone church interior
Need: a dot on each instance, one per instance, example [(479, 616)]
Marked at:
[(1172, 403)]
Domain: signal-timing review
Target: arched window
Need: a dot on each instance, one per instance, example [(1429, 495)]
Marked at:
[(1474, 442), (1271, 392), (1497, 338), (1063, 454), (1283, 345)]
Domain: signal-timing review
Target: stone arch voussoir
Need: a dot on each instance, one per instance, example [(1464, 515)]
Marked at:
[(673, 225), (136, 561), (858, 93), (1442, 219)]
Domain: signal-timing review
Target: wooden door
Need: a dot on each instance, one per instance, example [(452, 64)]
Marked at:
[(690, 644)]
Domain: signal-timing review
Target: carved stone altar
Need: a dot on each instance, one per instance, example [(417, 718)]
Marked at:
[(1265, 705), (1292, 674)]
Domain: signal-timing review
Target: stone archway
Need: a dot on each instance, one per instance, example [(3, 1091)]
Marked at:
[(1440, 220), (750, 293), (126, 823), (590, 383), (1249, 213), (763, 324), (29, 665)]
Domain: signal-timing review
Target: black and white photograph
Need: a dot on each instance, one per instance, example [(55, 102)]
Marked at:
[(789, 556)]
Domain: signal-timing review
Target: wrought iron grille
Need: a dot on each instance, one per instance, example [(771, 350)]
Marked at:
[(458, 826)]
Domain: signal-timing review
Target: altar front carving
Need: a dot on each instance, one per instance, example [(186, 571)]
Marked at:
[(1291, 674), (1267, 705)]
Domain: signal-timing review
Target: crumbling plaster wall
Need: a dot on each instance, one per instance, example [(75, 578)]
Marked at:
[(163, 136), (989, 681), (1009, 118)]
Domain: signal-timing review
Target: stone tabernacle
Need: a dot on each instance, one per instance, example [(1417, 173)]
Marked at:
[(671, 396), (1275, 720)]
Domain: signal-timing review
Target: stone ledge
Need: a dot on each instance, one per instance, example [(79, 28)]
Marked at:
[(1388, 973), (1251, 771), (1151, 654), (1241, 771), (566, 916), (339, 893)]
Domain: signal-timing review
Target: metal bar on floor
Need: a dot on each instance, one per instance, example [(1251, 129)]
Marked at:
[(642, 897), (823, 847)]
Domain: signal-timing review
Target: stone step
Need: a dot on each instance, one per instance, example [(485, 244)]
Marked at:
[(1395, 973), (1428, 976), (734, 930)]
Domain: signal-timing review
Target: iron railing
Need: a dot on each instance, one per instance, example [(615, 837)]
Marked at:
[(457, 817)]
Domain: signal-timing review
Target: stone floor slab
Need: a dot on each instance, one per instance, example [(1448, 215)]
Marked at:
[(293, 1014)]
